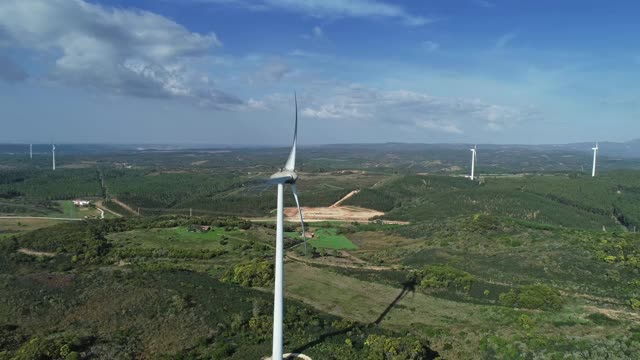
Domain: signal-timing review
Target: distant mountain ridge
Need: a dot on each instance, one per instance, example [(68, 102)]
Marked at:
[(627, 150)]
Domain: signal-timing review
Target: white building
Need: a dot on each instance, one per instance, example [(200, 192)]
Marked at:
[(81, 203)]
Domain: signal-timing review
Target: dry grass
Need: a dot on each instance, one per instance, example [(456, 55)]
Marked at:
[(377, 241), (22, 225)]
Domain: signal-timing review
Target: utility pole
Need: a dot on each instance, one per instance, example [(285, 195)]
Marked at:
[(190, 212), (30, 151)]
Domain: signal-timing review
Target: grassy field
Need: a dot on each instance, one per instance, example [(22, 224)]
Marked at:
[(178, 237), (457, 329), (326, 238), (69, 209), (9, 227)]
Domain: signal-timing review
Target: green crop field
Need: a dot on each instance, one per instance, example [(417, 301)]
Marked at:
[(326, 238), (178, 237), (69, 209)]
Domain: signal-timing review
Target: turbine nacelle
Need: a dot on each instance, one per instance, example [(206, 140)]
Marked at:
[(284, 177)]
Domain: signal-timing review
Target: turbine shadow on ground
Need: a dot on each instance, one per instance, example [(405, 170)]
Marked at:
[(408, 286)]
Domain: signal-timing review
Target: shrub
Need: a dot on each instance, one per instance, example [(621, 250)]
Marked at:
[(538, 296), (483, 222), (443, 276), (526, 322), (381, 347), (602, 319), (257, 273)]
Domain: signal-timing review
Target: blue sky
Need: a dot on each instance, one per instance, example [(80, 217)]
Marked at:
[(224, 71)]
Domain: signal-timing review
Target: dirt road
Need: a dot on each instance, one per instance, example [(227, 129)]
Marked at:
[(339, 202), (39, 217), (101, 207), (127, 207), (36, 253)]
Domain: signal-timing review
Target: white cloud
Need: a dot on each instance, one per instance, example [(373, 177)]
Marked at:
[(256, 104), (441, 126), (430, 46), (333, 8), (505, 39), (335, 111), (127, 52), (484, 3), (274, 70), (414, 109), (316, 34)]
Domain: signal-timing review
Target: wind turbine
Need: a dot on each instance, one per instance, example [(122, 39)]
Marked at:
[(595, 156), (474, 160), (286, 175), (53, 153)]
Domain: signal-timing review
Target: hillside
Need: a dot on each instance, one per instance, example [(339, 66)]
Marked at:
[(477, 286), (610, 200)]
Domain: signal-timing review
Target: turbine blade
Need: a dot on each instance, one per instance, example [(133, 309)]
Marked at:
[(291, 161), (294, 189)]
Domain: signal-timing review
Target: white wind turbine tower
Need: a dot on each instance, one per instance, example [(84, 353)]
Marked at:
[(53, 153), (595, 156), (287, 175), (474, 160)]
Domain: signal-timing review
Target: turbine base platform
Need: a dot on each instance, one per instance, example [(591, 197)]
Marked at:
[(291, 356)]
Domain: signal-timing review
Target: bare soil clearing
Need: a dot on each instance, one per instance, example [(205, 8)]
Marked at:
[(36, 253), (342, 213)]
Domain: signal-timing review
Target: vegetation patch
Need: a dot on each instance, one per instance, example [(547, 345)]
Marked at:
[(538, 296), (254, 274), (442, 277), (602, 319), (327, 238)]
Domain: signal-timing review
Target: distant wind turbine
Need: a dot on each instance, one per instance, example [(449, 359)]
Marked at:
[(287, 175), (53, 153), (474, 160), (595, 156)]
